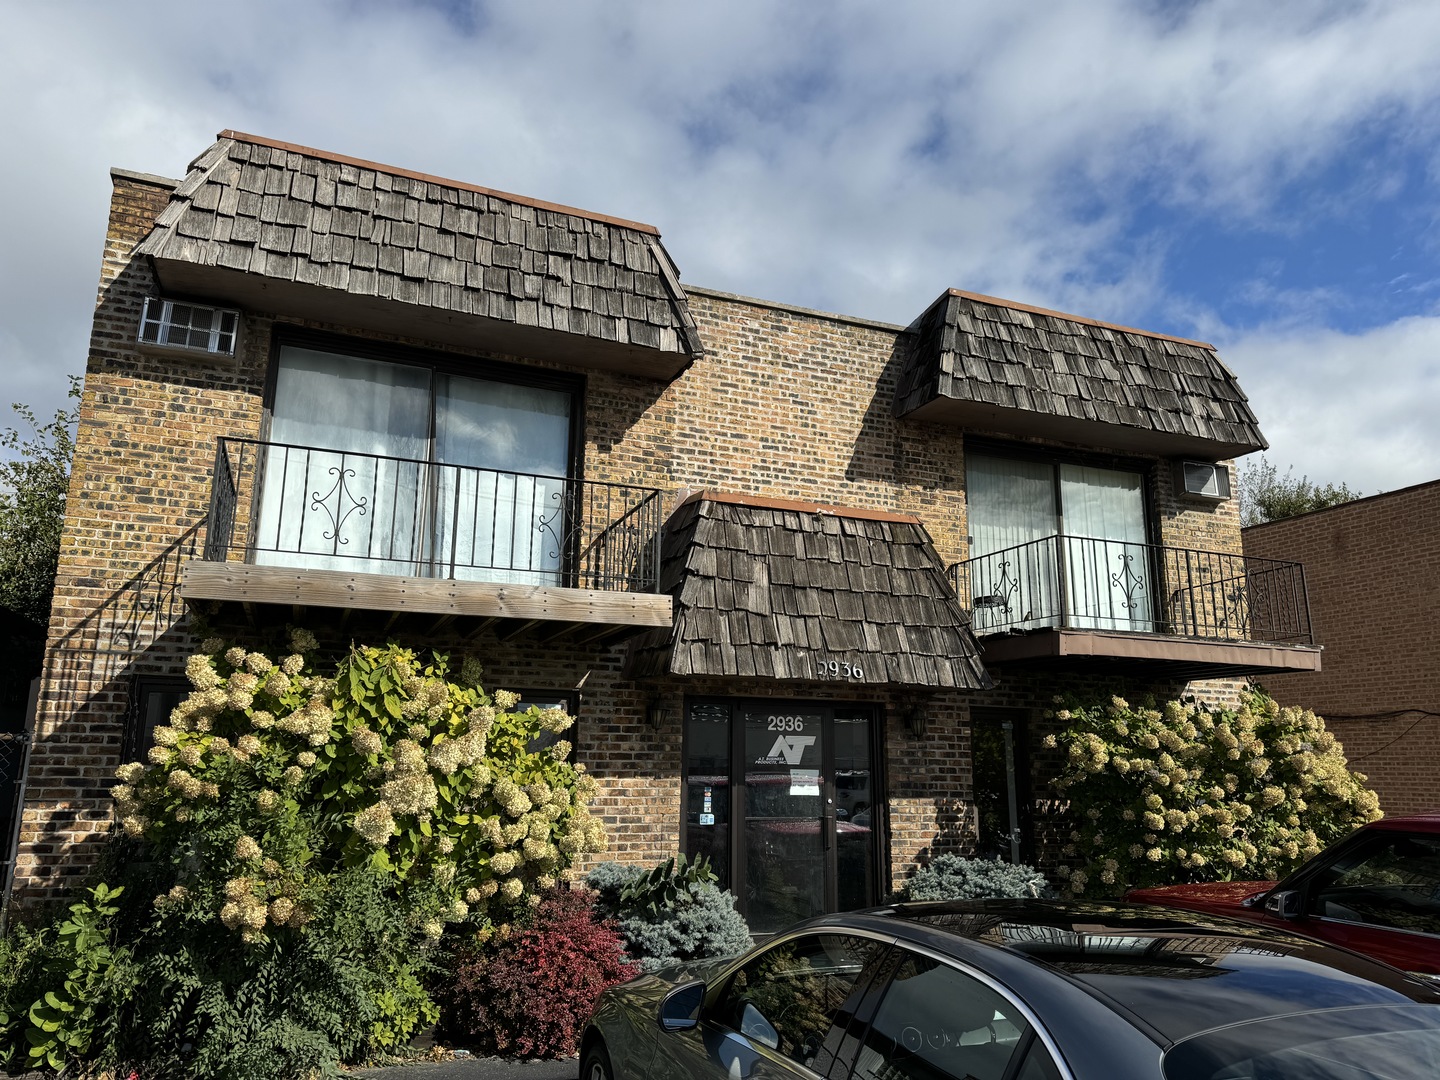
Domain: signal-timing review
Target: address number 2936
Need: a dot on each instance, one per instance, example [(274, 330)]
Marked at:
[(838, 669)]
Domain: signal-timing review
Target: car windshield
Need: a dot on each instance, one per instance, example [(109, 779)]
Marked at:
[(1372, 1042)]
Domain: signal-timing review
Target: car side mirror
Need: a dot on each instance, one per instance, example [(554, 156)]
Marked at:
[(1284, 904), (680, 1011)]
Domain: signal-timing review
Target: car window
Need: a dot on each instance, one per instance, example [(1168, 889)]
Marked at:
[(936, 1022), (1394, 882), (789, 997), (1039, 1065)]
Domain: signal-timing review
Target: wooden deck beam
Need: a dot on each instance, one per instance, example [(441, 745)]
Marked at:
[(531, 605)]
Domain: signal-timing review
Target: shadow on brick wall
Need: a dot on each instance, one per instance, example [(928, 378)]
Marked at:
[(81, 717)]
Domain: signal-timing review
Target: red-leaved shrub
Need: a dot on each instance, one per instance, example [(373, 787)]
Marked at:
[(526, 993)]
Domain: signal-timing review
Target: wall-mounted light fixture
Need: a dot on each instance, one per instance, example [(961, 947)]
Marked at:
[(917, 720), (657, 713)]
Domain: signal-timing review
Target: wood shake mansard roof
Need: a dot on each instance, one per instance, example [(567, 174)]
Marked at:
[(779, 590), (291, 230), (995, 365)]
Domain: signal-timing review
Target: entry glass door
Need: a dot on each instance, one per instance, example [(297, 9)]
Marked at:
[(787, 818), (794, 785)]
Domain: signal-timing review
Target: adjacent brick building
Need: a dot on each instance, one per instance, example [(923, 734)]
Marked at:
[(1373, 569), (807, 580)]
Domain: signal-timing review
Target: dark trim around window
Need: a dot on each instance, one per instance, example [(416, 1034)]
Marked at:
[(447, 363), (152, 697), (1057, 456)]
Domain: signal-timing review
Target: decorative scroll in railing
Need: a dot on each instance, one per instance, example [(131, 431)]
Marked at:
[(1083, 582), (280, 504)]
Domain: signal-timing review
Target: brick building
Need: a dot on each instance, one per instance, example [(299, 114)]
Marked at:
[(1373, 570), (807, 581)]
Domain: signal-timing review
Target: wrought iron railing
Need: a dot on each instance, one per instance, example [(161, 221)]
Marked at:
[(1091, 583), (281, 504)]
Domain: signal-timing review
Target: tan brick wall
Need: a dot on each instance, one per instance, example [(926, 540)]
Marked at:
[(138, 486), (784, 403), (1372, 572)]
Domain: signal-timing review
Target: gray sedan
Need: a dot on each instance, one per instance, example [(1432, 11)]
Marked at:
[(1022, 990)]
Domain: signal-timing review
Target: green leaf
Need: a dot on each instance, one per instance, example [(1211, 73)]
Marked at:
[(392, 706)]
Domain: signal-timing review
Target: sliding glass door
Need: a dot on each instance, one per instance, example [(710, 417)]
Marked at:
[(1107, 566), (1057, 544), (389, 468), (500, 505)]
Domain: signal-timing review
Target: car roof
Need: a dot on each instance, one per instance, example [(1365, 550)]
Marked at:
[(1429, 821), (1171, 973)]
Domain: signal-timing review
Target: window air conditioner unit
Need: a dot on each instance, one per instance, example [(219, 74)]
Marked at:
[(189, 326), (1202, 480)]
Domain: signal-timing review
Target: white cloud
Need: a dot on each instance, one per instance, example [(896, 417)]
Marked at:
[(850, 156), (1357, 409)]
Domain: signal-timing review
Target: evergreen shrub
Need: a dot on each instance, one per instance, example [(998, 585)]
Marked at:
[(698, 921), (951, 877)]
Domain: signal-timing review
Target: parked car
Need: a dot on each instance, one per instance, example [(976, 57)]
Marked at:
[(1377, 892), (1021, 990)]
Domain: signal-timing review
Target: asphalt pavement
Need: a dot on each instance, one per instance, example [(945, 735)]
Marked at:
[(477, 1068)]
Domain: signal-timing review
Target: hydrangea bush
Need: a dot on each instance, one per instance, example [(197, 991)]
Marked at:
[(1187, 792), (292, 848), (269, 777)]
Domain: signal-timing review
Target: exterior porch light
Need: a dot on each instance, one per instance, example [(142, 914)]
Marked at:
[(917, 722), (657, 713)]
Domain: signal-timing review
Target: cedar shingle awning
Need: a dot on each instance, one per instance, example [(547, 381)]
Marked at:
[(804, 592), (997, 366), (290, 230)]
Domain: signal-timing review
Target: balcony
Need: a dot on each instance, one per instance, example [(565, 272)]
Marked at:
[(294, 528), (1082, 602)]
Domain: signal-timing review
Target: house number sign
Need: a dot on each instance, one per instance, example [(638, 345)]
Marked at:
[(838, 669)]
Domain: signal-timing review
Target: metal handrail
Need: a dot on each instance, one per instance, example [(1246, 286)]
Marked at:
[(289, 504), (1088, 582)]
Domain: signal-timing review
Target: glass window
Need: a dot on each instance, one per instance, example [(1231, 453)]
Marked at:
[(564, 700), (152, 699), (391, 468), (1394, 882), (790, 997), (935, 1023), (1056, 544), (707, 787)]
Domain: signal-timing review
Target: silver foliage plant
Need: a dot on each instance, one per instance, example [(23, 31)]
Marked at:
[(952, 877), (700, 923)]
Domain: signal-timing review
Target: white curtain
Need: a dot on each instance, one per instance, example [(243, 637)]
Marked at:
[(357, 487), (500, 505), (1012, 523), (1107, 571), (1016, 566), (335, 497)]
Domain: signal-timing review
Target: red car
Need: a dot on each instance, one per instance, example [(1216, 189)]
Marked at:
[(1377, 892)]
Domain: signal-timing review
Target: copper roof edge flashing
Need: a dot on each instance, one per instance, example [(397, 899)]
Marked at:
[(1033, 309), (430, 178), (797, 506)]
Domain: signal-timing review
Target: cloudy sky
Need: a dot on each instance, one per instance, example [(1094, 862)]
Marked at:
[(1262, 176)]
